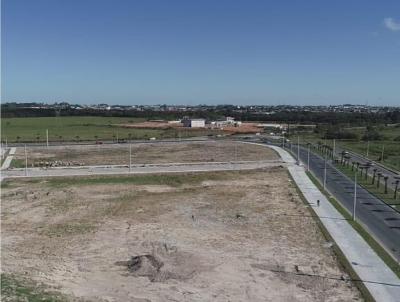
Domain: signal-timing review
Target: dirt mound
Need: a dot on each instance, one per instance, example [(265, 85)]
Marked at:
[(145, 266), (163, 263)]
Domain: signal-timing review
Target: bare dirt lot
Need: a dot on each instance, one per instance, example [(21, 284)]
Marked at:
[(224, 236), (143, 153), (229, 128)]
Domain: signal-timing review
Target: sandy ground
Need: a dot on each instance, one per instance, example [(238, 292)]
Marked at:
[(243, 128), (236, 237), (146, 153)]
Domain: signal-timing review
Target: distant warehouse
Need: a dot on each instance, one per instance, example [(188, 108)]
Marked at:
[(194, 123)]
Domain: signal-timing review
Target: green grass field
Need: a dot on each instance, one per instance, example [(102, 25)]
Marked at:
[(86, 128)]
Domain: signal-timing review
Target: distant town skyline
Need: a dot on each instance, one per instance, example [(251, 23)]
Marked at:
[(201, 52)]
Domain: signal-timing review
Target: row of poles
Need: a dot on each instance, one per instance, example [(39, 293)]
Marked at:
[(26, 159), (331, 152)]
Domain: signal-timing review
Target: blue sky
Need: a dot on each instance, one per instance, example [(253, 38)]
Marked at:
[(190, 52)]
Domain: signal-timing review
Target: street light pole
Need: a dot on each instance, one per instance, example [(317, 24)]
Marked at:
[(235, 153), (383, 149), (47, 138), (355, 196), (325, 173), (298, 150), (130, 157), (367, 148), (26, 161), (308, 158)]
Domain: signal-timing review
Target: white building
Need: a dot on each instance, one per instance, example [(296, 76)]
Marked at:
[(194, 123)]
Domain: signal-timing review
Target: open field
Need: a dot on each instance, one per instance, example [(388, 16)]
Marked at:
[(86, 128), (143, 153), (186, 237)]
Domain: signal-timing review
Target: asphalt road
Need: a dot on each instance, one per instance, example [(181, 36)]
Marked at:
[(389, 172), (382, 221)]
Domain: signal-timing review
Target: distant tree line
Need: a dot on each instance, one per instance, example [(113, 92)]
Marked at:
[(298, 117)]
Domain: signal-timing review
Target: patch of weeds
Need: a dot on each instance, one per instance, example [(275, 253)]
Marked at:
[(18, 289), (174, 180), (17, 163), (68, 229)]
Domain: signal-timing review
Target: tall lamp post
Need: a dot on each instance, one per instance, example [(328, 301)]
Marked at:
[(298, 150), (373, 175), (355, 196), (368, 165), (355, 189), (396, 183), (379, 179), (308, 156), (325, 172)]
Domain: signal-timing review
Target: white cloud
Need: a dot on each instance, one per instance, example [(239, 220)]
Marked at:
[(391, 24)]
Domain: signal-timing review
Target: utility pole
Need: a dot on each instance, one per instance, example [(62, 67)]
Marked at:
[(298, 150), (47, 138), (334, 148), (308, 157), (130, 157), (235, 153), (367, 148), (26, 162), (325, 173), (355, 196), (383, 149)]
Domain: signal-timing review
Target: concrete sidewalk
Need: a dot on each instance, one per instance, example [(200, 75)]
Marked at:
[(9, 158), (377, 277)]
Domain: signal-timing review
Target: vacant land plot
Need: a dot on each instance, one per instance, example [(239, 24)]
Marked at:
[(223, 236), (143, 153), (86, 128)]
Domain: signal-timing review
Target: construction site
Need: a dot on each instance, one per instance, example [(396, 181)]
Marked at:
[(233, 235)]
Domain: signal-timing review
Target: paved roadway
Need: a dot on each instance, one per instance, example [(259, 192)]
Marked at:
[(382, 221), (386, 171), (140, 169)]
